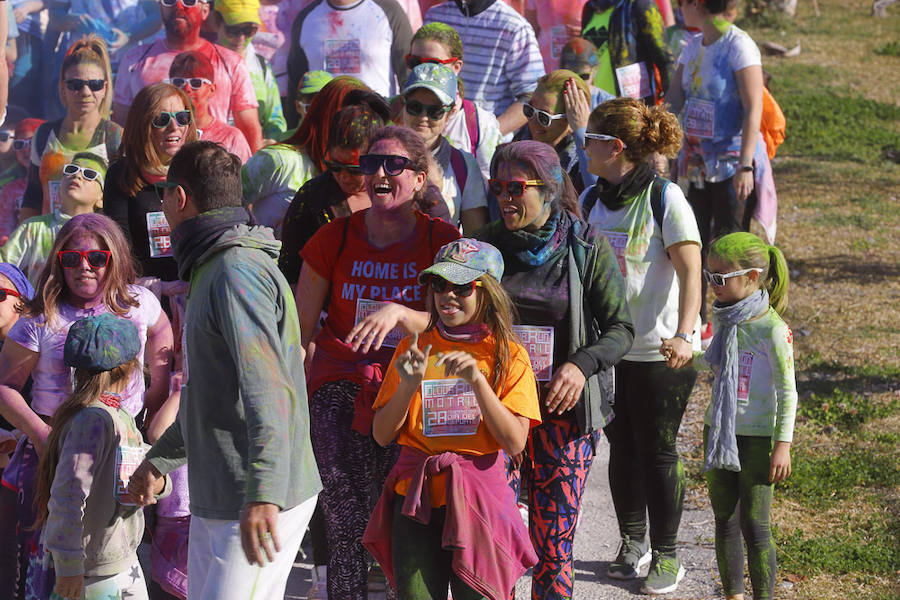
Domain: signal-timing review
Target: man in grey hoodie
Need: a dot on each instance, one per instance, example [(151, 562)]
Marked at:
[(243, 425)]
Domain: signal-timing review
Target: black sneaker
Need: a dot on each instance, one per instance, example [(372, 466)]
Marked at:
[(632, 556)]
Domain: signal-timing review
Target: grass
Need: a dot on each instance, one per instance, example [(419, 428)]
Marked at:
[(837, 519)]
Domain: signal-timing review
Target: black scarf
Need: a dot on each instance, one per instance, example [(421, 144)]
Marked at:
[(193, 237), (615, 197)]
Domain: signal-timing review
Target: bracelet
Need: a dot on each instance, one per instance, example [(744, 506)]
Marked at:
[(685, 337), (748, 168)]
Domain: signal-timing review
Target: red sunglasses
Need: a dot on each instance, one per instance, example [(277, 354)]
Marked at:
[(4, 292), (71, 259), (413, 61)]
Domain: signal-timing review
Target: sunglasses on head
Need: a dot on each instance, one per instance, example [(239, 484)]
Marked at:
[(4, 292), (71, 259), (435, 112), (718, 279), (338, 167), (413, 61), (17, 144), (544, 118), (460, 290), (585, 76), (514, 188), (393, 164), (184, 3), (76, 85), (245, 29), (162, 120), (603, 138), (195, 82), (5, 136), (87, 173)]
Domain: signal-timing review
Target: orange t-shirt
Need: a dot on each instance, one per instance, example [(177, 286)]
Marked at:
[(449, 419), (357, 270)]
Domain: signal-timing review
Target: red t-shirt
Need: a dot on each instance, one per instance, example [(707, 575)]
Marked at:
[(358, 270)]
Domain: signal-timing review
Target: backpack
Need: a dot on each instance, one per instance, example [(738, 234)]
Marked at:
[(657, 194), (460, 169), (472, 128)]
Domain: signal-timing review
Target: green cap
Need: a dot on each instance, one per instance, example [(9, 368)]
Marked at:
[(313, 81)]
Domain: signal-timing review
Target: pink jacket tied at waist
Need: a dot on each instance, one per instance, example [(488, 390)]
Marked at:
[(490, 544)]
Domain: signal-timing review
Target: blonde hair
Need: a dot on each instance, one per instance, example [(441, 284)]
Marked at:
[(747, 251), (88, 387), (554, 82), (89, 50), (644, 129)]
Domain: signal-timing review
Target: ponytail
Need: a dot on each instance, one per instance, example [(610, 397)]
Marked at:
[(747, 251), (90, 50)]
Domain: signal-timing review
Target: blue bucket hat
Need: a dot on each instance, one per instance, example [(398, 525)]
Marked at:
[(101, 343), (439, 79), (18, 279), (465, 260)]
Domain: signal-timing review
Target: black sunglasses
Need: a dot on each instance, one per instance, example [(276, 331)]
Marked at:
[(435, 112), (336, 167), (184, 3), (246, 30), (392, 163), (162, 120), (460, 290), (17, 144), (76, 85), (71, 259)]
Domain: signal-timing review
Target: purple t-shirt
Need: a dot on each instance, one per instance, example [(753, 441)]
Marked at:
[(52, 381)]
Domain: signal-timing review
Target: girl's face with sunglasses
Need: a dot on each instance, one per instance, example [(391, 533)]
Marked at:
[(526, 211), (430, 49), (343, 163), (168, 140), (22, 146), (542, 127), (421, 108), (84, 280), (391, 191), (455, 304), (81, 183), (78, 90)]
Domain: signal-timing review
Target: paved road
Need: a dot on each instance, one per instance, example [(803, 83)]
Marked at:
[(596, 543)]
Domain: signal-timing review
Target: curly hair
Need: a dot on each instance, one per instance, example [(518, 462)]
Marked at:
[(644, 129)]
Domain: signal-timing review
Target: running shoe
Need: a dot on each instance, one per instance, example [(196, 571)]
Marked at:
[(665, 572), (632, 556)]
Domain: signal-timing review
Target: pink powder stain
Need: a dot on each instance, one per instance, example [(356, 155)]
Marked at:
[(335, 21)]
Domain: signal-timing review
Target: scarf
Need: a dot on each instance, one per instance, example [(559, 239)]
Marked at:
[(193, 237), (721, 448), (473, 333), (535, 249), (617, 196)]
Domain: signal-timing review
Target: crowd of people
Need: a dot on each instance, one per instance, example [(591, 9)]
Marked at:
[(382, 273)]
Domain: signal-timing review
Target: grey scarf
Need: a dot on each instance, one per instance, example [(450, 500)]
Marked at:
[(721, 447)]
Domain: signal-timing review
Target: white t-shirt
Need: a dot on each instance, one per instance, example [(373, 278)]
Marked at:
[(473, 195), (52, 383), (489, 136), (650, 280)]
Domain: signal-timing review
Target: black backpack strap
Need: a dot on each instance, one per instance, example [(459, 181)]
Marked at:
[(657, 192), (590, 200)]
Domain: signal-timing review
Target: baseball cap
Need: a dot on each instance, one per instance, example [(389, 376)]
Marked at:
[(238, 11), (438, 78), (465, 260), (314, 81)]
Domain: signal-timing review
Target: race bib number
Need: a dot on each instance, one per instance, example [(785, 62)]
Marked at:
[(745, 371), (449, 407), (538, 342), (343, 56), (559, 37), (159, 235), (634, 80), (53, 192), (619, 242), (365, 307), (700, 118), (127, 460)]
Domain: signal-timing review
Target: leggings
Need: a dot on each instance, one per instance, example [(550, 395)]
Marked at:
[(741, 503), (353, 468), (422, 567), (717, 212), (646, 476), (556, 469)]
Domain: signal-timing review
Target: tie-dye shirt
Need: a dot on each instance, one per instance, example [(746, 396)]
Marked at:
[(713, 114)]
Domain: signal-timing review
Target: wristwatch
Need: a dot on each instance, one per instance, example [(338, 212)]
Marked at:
[(747, 168), (685, 337)]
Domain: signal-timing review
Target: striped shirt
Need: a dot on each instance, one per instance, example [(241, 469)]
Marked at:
[(502, 58)]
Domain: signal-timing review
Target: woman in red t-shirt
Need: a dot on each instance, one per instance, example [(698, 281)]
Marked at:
[(362, 271)]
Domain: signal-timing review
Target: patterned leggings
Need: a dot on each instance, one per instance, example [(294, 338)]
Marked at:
[(353, 468), (555, 472), (741, 503)]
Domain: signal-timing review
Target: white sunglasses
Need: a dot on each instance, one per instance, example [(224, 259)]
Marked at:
[(718, 279), (603, 138)]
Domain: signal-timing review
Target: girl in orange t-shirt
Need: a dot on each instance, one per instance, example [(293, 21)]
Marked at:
[(474, 396)]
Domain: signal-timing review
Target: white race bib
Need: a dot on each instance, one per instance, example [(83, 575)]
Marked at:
[(700, 118), (559, 37), (634, 80), (159, 234), (449, 407), (619, 242), (127, 460), (343, 56), (365, 307), (53, 192), (538, 342), (745, 371)]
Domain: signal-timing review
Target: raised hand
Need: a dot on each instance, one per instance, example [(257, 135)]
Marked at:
[(411, 364)]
